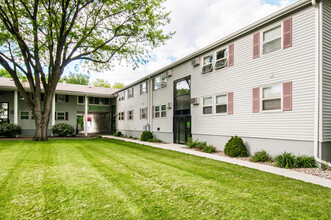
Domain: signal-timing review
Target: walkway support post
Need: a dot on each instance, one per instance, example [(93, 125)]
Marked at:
[(15, 107), (86, 113)]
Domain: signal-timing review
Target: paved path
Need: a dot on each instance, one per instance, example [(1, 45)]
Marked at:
[(276, 170)]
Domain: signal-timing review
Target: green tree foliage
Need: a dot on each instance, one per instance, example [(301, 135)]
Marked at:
[(101, 83), (4, 73), (77, 78), (118, 85), (40, 38)]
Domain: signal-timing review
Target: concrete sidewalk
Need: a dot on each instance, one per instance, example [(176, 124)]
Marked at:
[(275, 170)]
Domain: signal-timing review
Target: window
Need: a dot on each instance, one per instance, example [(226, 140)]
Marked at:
[(272, 40), (25, 115), (207, 64), (271, 97), (221, 59), (143, 113), (91, 100), (221, 104), (121, 116), (60, 116), (131, 115), (207, 106), (4, 116), (130, 93), (157, 111), (163, 80), (81, 100), (121, 96), (144, 87), (163, 111), (61, 98), (160, 81)]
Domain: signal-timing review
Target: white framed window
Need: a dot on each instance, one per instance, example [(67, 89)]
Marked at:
[(221, 104), (207, 64), (24, 115), (157, 82), (221, 58), (157, 111), (121, 116), (143, 113), (272, 39), (207, 105), (91, 100), (80, 100), (163, 111), (164, 80), (61, 98), (271, 97), (121, 96), (131, 115), (144, 87), (60, 116), (130, 92)]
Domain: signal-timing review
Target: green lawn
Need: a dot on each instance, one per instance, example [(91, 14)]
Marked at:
[(98, 179)]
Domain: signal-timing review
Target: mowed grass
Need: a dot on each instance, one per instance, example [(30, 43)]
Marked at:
[(111, 179)]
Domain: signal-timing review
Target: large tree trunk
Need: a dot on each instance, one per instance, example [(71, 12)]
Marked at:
[(41, 129)]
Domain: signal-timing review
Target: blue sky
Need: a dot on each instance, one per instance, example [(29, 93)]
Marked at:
[(197, 23)]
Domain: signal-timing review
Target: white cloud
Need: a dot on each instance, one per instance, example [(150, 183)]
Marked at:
[(197, 23)]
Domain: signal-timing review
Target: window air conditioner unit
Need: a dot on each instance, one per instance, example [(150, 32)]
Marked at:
[(195, 101), (169, 73), (195, 61), (169, 105)]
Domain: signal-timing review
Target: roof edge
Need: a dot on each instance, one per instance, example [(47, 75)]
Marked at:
[(249, 28)]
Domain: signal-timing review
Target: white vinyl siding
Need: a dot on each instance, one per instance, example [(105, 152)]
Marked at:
[(293, 64)]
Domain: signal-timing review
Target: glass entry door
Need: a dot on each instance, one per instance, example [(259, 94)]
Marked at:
[(4, 112), (182, 110), (113, 119)]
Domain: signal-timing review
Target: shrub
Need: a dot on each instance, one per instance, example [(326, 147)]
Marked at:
[(135, 138), (235, 147), (305, 162), (63, 130), (118, 134), (130, 136), (191, 143), (209, 149), (286, 160), (10, 130), (146, 135), (154, 140), (261, 156), (201, 145)]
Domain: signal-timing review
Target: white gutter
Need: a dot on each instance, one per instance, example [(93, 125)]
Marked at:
[(318, 80)]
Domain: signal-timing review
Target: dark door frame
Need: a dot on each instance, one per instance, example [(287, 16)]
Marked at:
[(174, 129)]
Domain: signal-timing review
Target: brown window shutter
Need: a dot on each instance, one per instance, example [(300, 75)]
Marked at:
[(132, 92), (146, 113), (231, 54), (140, 113), (287, 33), (132, 113), (287, 96), (123, 95), (124, 116), (256, 45), (146, 86), (67, 116), (256, 99), (230, 103), (141, 89)]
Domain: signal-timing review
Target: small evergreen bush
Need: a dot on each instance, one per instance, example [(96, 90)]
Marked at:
[(261, 156), (235, 147), (191, 143), (63, 130), (118, 134), (305, 162), (10, 130), (154, 140), (201, 145), (286, 160), (146, 135), (209, 149)]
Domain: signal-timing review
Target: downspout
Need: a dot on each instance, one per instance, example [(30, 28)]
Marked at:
[(318, 77), (150, 111)]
